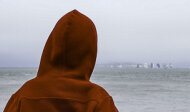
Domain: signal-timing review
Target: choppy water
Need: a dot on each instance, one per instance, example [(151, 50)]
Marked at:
[(133, 90)]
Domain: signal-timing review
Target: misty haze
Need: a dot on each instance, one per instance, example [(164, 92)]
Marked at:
[(128, 31)]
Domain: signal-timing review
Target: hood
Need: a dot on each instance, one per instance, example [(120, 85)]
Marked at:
[(71, 48)]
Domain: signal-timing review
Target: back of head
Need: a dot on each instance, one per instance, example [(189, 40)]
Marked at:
[(71, 48)]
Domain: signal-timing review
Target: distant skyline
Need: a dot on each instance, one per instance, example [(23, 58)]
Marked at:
[(140, 31)]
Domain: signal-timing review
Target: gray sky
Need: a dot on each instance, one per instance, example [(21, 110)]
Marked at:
[(128, 30)]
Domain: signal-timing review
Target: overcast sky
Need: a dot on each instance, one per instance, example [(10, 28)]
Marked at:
[(128, 30)]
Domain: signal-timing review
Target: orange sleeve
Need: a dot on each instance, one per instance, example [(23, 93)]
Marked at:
[(12, 105), (107, 105)]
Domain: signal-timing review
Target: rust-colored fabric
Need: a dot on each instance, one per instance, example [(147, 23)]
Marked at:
[(62, 83)]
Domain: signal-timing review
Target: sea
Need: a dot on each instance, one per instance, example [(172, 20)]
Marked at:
[(133, 89)]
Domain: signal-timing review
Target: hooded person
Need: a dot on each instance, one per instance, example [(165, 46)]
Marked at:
[(62, 83)]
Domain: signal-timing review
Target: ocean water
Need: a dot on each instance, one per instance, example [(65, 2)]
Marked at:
[(133, 90)]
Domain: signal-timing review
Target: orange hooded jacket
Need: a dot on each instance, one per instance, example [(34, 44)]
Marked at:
[(62, 83)]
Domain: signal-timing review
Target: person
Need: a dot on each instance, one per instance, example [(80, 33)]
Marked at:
[(63, 82)]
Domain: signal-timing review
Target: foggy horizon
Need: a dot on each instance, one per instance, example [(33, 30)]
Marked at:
[(128, 31)]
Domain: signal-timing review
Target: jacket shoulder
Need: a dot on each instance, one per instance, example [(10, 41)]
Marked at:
[(100, 92)]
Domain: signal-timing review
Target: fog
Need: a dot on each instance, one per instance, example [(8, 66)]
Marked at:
[(128, 30)]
